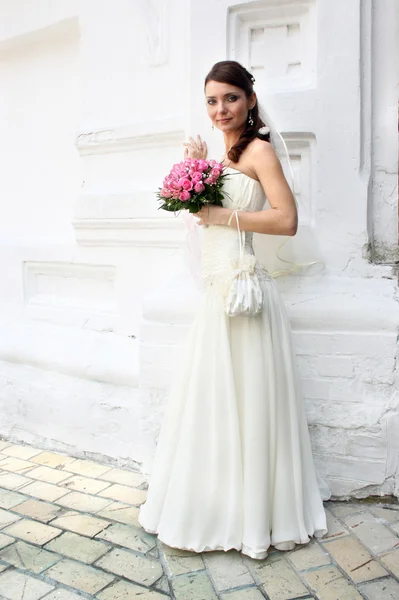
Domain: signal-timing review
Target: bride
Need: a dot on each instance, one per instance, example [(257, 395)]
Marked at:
[(234, 467)]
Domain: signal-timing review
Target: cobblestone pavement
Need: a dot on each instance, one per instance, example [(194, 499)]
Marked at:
[(69, 530)]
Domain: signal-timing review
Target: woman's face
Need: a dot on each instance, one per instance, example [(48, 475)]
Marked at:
[(227, 105)]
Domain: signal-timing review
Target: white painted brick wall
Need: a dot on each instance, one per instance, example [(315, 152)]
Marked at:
[(353, 343), (81, 392)]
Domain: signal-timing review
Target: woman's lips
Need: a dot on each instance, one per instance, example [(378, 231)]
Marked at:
[(223, 120)]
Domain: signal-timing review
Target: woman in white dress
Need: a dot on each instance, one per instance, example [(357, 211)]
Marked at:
[(234, 466)]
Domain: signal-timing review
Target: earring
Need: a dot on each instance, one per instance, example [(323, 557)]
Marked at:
[(250, 119)]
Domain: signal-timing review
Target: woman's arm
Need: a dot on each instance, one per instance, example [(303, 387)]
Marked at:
[(282, 218)]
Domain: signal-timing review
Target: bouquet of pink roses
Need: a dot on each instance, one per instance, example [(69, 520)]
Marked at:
[(192, 184)]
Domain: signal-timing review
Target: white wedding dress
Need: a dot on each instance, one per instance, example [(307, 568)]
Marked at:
[(234, 466)]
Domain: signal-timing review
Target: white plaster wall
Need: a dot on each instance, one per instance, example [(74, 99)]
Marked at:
[(81, 240), (92, 306), (320, 90), (39, 112), (385, 65)]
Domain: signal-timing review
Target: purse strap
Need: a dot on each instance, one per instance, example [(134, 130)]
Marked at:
[(240, 233)]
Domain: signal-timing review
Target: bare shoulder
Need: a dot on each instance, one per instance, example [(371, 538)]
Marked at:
[(262, 153), (263, 160)]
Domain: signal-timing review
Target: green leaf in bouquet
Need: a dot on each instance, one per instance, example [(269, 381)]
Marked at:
[(169, 207)]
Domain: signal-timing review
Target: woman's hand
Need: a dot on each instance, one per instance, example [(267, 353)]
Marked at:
[(195, 149), (213, 215)]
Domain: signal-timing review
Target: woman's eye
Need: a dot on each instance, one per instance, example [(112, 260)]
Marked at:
[(232, 98), (211, 102)]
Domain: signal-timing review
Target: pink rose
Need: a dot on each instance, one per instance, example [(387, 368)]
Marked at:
[(199, 187), (184, 196), (190, 163), (202, 165), (165, 193), (197, 176), (215, 173), (212, 163), (185, 184)]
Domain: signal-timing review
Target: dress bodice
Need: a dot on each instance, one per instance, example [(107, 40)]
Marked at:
[(220, 242)]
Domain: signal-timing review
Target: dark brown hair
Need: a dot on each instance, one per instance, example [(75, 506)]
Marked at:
[(231, 72)]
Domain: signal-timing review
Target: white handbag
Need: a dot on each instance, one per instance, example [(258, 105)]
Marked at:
[(245, 295)]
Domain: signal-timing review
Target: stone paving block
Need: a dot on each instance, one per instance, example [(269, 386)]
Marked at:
[(52, 459), (83, 502), (87, 468), (80, 577), (18, 451), (124, 477), (28, 557), (390, 514), (335, 527), (44, 491), (10, 499), (32, 531), (79, 483), (162, 585), (78, 547), (18, 586), (5, 540), (395, 527), (6, 518), (4, 444), (193, 587), (49, 475), (386, 589), (391, 561), (124, 494), (354, 559), (227, 570), (62, 594), (179, 562), (376, 536), (128, 591), (122, 513), (277, 577), (329, 584), (308, 557), (342, 509), (13, 481), (15, 465), (3, 568), (129, 537), (80, 523), (139, 569), (37, 509), (247, 594)]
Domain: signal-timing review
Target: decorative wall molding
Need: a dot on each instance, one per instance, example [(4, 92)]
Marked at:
[(134, 136), (116, 205), (70, 286), (142, 232), (301, 149), (276, 41), (154, 15), (380, 66)]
